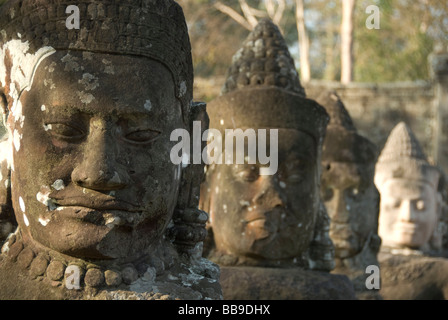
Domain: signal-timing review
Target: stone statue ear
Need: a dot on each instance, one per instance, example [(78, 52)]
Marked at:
[(321, 250), (188, 231)]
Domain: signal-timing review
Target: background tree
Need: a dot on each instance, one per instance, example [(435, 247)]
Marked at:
[(348, 11)]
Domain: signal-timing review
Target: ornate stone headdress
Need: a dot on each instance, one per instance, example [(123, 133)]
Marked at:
[(342, 142), (263, 74), (403, 157), (147, 28)]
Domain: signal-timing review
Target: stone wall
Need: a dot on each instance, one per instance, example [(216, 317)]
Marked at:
[(377, 108)]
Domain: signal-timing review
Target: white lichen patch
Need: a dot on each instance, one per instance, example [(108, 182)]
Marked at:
[(23, 65), (148, 105), (89, 81), (22, 204), (44, 198), (70, 62), (16, 139), (108, 67), (182, 88), (85, 98), (58, 184), (26, 221), (43, 221), (49, 83)]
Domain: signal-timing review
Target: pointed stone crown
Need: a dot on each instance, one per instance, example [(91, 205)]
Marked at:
[(263, 60), (400, 144), (342, 142), (263, 89), (402, 157), (339, 116)]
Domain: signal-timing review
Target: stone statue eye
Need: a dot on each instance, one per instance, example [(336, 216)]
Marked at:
[(64, 131), (420, 205), (295, 178), (142, 136), (249, 174), (393, 204)]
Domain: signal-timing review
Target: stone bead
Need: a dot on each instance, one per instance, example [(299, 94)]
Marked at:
[(25, 258), (113, 278), (129, 274), (94, 277), (55, 270), (14, 250)]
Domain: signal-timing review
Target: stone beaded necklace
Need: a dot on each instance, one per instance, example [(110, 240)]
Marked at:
[(53, 266)]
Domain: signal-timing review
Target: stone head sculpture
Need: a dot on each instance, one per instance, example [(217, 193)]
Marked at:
[(408, 186), (348, 190), (264, 214), (89, 113)]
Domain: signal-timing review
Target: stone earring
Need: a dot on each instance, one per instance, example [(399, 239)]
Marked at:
[(188, 229), (321, 250)]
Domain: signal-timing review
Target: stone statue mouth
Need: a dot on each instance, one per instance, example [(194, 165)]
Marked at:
[(406, 227), (97, 203)]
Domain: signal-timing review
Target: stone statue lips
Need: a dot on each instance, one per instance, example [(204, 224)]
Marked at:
[(265, 223), (409, 228), (97, 208)]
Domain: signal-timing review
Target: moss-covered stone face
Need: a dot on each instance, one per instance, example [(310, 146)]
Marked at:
[(92, 175)]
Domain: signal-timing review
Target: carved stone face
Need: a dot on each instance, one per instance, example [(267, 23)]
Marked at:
[(92, 175), (270, 216), (351, 199), (408, 212)]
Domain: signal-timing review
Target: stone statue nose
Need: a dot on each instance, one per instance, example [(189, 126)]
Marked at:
[(340, 212), (407, 211), (99, 169), (269, 193)]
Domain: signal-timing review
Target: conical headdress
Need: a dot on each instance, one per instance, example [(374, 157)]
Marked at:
[(263, 89), (263, 60), (342, 142), (403, 157)]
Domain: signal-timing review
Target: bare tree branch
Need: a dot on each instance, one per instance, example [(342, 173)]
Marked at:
[(279, 12), (234, 15), (247, 13), (270, 7)]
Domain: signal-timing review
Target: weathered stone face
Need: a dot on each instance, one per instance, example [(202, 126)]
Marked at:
[(268, 217), (351, 199), (347, 186), (409, 210), (92, 175), (408, 213)]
